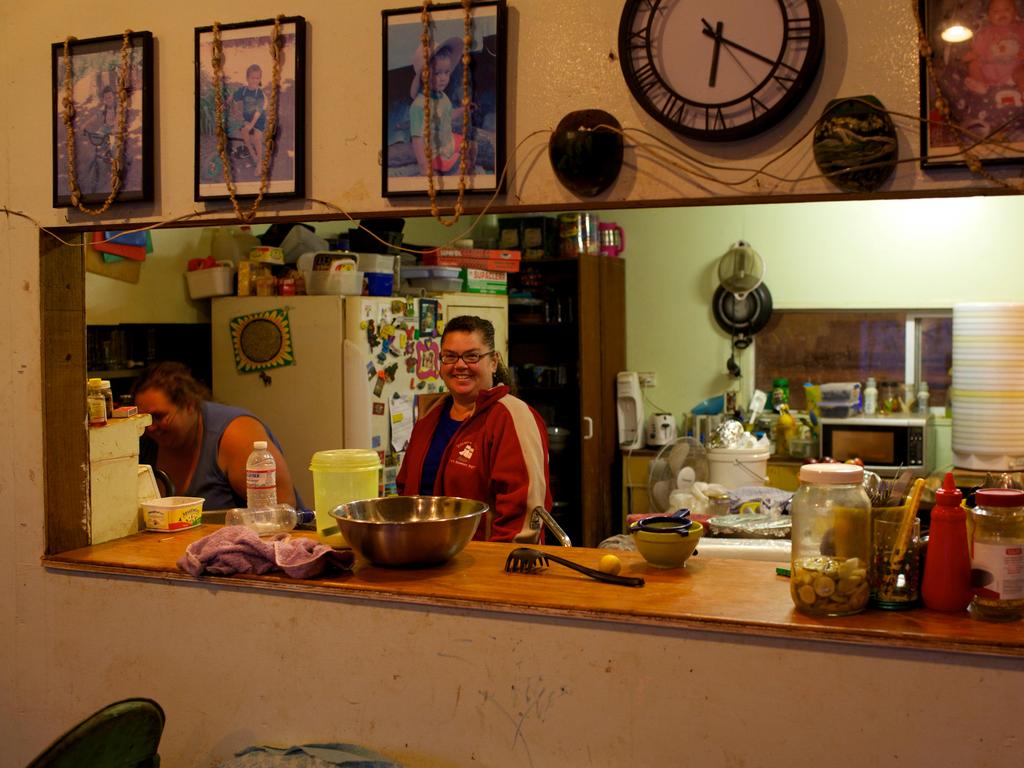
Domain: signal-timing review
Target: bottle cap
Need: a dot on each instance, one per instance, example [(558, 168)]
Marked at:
[(999, 497), (831, 473), (948, 495), (259, 445)]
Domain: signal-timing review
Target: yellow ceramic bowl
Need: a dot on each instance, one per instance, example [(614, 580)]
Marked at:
[(666, 548)]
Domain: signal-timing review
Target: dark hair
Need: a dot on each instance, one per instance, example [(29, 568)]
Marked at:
[(474, 324), (175, 380)]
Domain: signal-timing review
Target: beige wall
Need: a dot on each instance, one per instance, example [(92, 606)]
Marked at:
[(71, 644)]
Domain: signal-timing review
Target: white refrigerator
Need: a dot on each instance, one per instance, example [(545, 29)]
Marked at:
[(326, 372)]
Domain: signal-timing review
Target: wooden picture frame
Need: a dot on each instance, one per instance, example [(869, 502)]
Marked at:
[(95, 64), (246, 84), (403, 163), (982, 80)]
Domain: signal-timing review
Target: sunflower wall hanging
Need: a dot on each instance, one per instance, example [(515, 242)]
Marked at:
[(261, 341)]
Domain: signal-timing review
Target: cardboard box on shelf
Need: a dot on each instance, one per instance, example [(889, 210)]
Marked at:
[(475, 258), (484, 281)]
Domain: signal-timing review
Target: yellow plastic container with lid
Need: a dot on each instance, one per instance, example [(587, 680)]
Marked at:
[(340, 476)]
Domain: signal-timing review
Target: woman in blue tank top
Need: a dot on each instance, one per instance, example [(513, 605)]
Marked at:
[(202, 445)]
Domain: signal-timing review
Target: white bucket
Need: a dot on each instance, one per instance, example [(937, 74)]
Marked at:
[(735, 467)]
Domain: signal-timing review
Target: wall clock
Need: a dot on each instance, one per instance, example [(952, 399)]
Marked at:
[(720, 71)]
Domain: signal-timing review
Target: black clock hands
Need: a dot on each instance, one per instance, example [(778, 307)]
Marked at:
[(719, 38), (717, 34)]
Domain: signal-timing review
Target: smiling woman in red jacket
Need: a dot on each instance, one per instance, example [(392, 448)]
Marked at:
[(479, 441)]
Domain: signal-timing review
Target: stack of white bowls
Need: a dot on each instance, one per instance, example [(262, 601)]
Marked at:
[(988, 386)]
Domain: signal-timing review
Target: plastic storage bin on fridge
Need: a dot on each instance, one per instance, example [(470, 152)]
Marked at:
[(341, 476), (215, 281)]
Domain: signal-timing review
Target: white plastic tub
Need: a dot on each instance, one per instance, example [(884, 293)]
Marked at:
[(215, 281), (734, 467)]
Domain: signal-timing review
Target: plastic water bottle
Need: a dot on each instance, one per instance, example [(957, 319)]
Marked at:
[(260, 477), (870, 397), (279, 518)]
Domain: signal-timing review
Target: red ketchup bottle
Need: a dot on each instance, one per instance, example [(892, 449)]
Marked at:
[(947, 567)]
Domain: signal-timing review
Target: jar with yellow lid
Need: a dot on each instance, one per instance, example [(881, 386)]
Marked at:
[(996, 540), (831, 547)]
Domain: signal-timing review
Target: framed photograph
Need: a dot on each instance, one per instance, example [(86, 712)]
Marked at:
[(246, 84), (404, 165), (982, 79), (95, 64), (428, 317)]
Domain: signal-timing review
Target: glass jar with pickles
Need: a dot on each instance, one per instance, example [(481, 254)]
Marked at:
[(831, 519)]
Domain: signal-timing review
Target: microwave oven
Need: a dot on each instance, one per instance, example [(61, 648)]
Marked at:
[(884, 443)]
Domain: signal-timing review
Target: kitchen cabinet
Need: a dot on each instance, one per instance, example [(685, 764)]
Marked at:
[(567, 342)]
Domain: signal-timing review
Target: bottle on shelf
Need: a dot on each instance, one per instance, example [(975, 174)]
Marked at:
[(947, 569), (245, 241), (96, 403), (260, 477), (871, 397), (921, 405), (108, 398)]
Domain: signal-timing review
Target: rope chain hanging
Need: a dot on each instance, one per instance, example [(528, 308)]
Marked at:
[(428, 151), (268, 136), (68, 102), (941, 103)]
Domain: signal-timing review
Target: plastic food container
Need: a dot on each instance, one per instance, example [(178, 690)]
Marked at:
[(439, 279), (340, 476), (173, 513), (319, 282), (215, 281), (378, 283)]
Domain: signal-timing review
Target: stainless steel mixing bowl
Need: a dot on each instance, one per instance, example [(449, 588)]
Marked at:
[(409, 530)]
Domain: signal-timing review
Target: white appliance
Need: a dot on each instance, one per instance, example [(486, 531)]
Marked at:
[(356, 369), (661, 429), (629, 407)]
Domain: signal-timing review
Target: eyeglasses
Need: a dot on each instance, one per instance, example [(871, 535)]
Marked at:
[(469, 358)]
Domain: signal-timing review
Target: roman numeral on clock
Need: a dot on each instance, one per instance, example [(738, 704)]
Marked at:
[(798, 28)]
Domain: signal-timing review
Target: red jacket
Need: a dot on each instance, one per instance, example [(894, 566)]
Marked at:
[(499, 455)]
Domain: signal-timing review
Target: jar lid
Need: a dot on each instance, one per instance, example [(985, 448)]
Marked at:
[(344, 459), (831, 473), (999, 497)]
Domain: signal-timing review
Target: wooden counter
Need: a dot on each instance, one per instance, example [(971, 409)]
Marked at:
[(720, 595)]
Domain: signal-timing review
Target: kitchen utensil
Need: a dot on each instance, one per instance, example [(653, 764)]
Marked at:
[(409, 530), (741, 269), (527, 560), (678, 522), (613, 239), (553, 526), (664, 547), (742, 318)]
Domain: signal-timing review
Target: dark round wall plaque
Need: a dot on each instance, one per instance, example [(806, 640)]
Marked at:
[(586, 151)]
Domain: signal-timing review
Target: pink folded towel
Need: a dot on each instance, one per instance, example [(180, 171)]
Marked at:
[(237, 549)]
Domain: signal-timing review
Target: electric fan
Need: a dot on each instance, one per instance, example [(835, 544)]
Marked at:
[(674, 470)]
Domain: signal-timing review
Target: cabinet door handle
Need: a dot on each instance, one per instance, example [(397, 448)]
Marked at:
[(588, 433)]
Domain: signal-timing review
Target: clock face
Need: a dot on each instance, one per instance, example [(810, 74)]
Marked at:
[(720, 69)]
